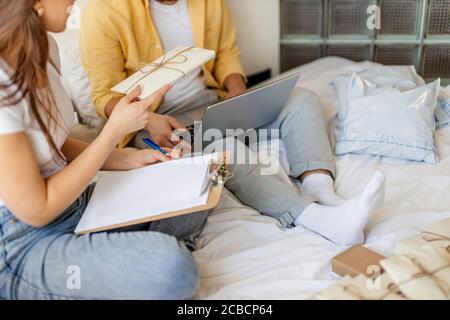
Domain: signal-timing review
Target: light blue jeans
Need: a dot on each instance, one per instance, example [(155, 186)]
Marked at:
[(54, 263)]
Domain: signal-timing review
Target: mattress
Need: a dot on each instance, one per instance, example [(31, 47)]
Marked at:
[(244, 255)]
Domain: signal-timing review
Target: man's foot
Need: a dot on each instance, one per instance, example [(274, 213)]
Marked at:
[(321, 186)]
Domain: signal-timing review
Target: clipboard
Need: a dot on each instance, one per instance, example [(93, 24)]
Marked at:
[(216, 179)]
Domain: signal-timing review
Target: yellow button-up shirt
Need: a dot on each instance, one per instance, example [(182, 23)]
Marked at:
[(118, 37)]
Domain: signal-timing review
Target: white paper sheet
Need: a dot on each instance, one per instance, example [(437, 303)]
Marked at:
[(121, 197)]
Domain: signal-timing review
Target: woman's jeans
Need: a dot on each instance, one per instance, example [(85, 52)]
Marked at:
[(54, 263)]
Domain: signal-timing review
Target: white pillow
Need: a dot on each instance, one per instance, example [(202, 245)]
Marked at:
[(74, 77), (389, 121), (77, 85), (443, 114)]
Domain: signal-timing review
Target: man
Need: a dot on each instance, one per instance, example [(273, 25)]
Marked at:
[(119, 37)]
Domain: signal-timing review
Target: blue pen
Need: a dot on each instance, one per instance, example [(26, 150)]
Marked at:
[(154, 146)]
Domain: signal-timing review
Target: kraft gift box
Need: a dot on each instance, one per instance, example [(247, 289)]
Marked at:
[(357, 260)]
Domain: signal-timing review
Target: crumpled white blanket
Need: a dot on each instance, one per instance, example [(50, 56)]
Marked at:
[(245, 255)]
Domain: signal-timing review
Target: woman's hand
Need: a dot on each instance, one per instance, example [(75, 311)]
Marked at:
[(131, 115), (130, 159)]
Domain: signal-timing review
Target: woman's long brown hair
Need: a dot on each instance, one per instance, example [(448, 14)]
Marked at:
[(22, 34)]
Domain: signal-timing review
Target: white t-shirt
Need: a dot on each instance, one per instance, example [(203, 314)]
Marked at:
[(19, 118), (175, 29)]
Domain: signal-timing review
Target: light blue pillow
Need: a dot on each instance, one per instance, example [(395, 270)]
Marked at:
[(388, 122), (443, 114), (401, 77)]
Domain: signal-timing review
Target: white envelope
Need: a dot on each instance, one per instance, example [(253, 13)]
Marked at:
[(437, 236), (423, 274), (169, 68), (362, 288)]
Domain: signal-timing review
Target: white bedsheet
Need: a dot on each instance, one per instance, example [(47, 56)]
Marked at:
[(248, 256)]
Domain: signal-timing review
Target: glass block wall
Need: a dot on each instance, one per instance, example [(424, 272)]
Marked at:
[(413, 32)]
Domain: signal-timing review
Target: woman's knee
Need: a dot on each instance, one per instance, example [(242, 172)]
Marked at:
[(180, 276), (153, 266), (174, 275)]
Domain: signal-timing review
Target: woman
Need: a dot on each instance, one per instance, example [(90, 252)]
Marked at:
[(45, 177)]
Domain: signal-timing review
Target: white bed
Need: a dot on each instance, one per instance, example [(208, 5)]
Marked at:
[(245, 255)]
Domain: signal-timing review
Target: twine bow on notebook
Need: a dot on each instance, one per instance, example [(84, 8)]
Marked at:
[(177, 59)]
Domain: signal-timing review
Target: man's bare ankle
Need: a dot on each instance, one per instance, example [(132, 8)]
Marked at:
[(309, 173)]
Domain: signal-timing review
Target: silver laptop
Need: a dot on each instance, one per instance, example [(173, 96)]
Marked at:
[(253, 109)]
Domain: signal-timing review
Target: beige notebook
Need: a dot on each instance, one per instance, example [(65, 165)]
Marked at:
[(152, 193), (167, 69)]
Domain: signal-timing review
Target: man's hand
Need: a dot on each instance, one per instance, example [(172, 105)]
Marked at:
[(161, 128), (235, 85)]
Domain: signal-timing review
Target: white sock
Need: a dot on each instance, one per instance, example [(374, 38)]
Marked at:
[(344, 225), (321, 186)]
